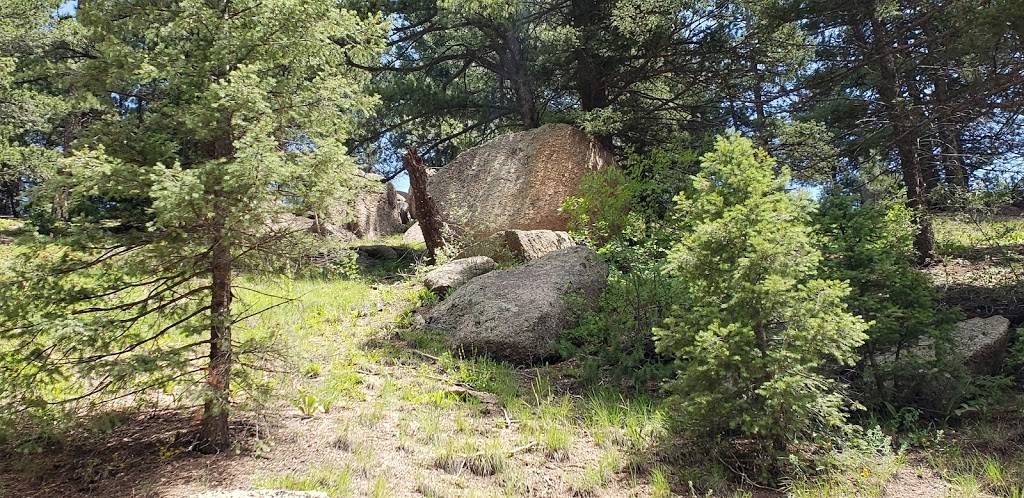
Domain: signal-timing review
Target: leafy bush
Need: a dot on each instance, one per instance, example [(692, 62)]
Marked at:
[(754, 331), (623, 215)]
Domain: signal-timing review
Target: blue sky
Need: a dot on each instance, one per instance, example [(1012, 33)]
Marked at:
[(68, 8), (401, 182)]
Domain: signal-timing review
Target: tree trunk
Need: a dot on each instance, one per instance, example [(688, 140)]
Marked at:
[(516, 66), (949, 137), (215, 435), (590, 68), (426, 211), (904, 133)]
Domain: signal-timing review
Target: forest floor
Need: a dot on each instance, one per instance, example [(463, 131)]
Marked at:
[(356, 402)]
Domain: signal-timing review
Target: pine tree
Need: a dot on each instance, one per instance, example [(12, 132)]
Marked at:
[(220, 116), (27, 34), (754, 331)]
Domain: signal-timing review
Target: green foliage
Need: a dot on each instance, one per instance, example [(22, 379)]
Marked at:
[(863, 466), (755, 332), (598, 214), (870, 245), (200, 141), (307, 404), (623, 214)]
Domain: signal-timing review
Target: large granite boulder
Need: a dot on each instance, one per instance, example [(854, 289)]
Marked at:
[(517, 246), (375, 213), (518, 314), (457, 272), (286, 224), (515, 182)]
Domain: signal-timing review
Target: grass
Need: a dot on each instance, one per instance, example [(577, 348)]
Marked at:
[(346, 348), (962, 235), (336, 482), (597, 475), (549, 420), (1000, 473), (483, 458)]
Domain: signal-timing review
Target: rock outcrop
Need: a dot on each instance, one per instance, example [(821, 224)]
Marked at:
[(980, 343), (517, 246), (374, 214), (518, 314), (286, 224), (515, 182), (457, 272)]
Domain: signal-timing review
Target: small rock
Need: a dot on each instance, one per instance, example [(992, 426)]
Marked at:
[(457, 272), (982, 342), (378, 252), (528, 245), (414, 234)]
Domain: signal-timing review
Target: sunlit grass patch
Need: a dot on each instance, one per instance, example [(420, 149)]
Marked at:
[(380, 488), (972, 474), (636, 424), (483, 374), (335, 482), (547, 419), (962, 235), (481, 457), (597, 475)]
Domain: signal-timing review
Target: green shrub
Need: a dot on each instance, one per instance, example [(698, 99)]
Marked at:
[(755, 332), (621, 213), (870, 245)]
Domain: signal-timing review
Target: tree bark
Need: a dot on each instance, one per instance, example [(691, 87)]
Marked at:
[(516, 67), (215, 435), (590, 69), (904, 132), (426, 211), (948, 136)]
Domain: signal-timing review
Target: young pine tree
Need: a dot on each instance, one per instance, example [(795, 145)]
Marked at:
[(755, 332), (870, 245), (221, 116)]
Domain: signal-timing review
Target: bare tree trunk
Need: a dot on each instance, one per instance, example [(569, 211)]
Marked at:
[(516, 66), (215, 435), (949, 137), (590, 71), (426, 211)]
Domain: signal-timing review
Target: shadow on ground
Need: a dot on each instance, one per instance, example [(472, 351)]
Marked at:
[(125, 454)]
